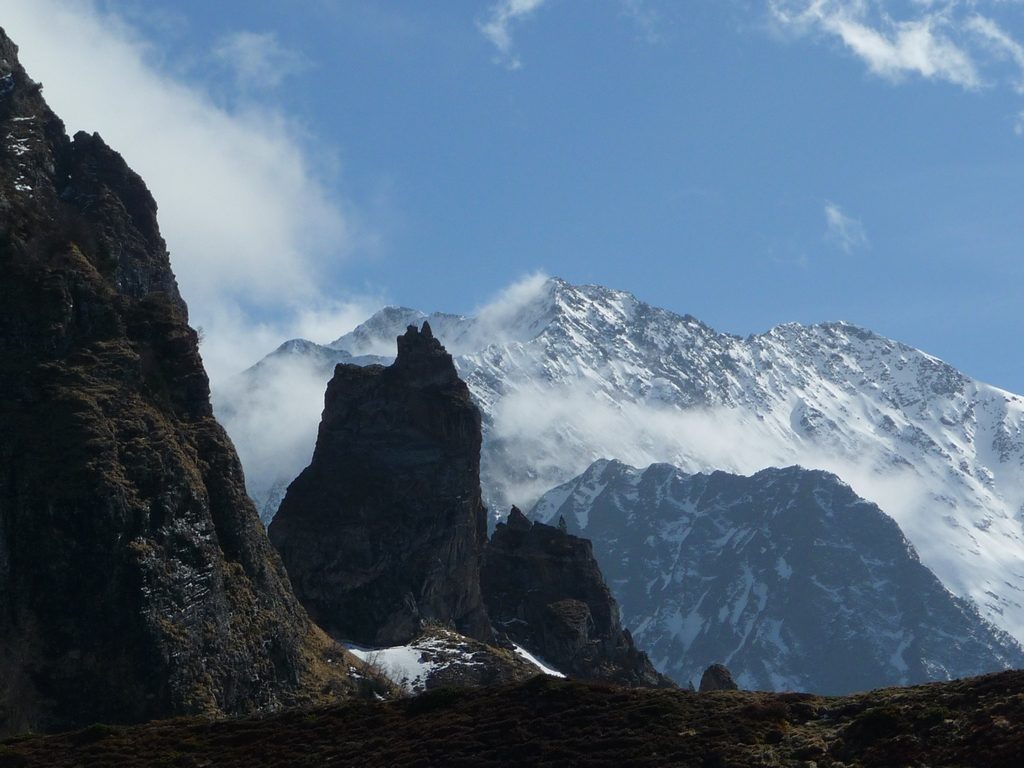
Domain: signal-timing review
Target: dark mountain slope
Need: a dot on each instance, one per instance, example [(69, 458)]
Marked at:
[(786, 576), (135, 579)]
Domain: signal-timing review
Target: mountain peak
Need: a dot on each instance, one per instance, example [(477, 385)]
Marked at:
[(422, 359)]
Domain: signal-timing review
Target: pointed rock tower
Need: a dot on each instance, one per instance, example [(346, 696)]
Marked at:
[(384, 531), (135, 579)]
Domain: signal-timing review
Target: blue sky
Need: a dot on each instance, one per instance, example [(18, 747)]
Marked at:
[(750, 162)]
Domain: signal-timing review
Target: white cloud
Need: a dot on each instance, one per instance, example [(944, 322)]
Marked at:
[(504, 310), (1018, 123), (252, 228), (843, 231), (564, 429), (890, 48), (497, 27), (1000, 44), (258, 60), (646, 19)]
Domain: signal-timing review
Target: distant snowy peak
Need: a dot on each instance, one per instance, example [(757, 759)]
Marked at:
[(499, 323), (786, 576), (566, 375)]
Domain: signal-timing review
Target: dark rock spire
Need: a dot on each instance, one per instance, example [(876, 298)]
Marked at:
[(383, 532)]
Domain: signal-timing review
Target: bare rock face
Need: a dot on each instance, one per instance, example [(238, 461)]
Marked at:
[(383, 532), (544, 589), (135, 579), (717, 678)]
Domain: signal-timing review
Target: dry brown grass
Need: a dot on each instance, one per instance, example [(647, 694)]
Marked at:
[(549, 722)]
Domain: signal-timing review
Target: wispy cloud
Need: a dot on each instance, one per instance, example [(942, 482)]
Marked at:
[(253, 228), (1000, 43), (497, 27), (644, 17), (891, 48), (257, 59), (843, 231), (967, 43)]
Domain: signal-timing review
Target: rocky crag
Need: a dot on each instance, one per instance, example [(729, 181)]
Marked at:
[(135, 579), (384, 535), (383, 532), (545, 591)]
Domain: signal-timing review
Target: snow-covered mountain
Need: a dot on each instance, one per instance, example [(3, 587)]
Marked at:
[(786, 576), (569, 374)]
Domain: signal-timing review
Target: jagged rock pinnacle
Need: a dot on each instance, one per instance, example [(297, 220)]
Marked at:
[(383, 532)]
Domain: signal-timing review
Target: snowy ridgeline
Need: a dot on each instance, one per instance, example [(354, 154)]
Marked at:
[(566, 375), (788, 577)]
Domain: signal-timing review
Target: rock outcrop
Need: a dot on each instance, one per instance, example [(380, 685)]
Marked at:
[(442, 658), (135, 579), (383, 532), (544, 589), (717, 678)]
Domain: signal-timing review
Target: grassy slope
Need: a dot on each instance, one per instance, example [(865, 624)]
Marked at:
[(556, 722)]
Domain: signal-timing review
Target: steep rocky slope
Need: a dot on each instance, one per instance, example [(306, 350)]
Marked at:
[(786, 576), (384, 531), (135, 579), (545, 591), (978, 722), (565, 375)]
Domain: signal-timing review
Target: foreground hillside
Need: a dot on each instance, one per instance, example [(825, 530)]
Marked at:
[(976, 722)]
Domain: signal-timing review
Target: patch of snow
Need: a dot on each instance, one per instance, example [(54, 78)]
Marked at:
[(543, 666)]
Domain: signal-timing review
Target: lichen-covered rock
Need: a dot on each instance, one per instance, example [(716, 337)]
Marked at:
[(383, 532), (544, 589), (717, 678), (135, 579)]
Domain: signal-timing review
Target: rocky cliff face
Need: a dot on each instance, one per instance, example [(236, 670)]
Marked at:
[(544, 589), (135, 579), (383, 532)]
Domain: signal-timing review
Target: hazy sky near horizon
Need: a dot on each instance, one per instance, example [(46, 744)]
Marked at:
[(750, 162)]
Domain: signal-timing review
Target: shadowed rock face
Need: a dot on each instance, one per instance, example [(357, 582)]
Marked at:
[(383, 531), (135, 579), (544, 588)]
